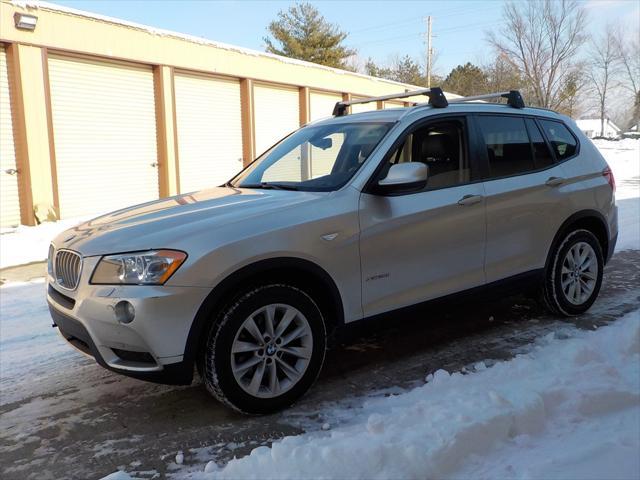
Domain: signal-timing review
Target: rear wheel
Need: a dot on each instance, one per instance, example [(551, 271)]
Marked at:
[(266, 350), (574, 278)]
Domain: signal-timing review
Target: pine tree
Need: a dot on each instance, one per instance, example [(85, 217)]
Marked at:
[(466, 80), (302, 32)]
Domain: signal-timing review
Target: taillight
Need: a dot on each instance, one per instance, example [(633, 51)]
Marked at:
[(608, 174)]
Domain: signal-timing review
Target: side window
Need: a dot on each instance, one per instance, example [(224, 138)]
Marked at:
[(441, 147), (563, 143), (542, 155), (508, 145)]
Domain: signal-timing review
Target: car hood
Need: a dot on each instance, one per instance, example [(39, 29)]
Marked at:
[(169, 222)]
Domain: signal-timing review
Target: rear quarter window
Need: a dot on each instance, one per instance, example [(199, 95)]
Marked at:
[(560, 138)]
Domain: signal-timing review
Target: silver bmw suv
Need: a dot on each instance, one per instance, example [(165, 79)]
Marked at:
[(347, 218)]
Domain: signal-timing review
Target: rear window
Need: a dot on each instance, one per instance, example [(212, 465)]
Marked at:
[(562, 141)]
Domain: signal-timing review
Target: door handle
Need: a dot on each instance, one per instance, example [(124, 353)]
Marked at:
[(554, 181), (11, 171), (470, 200)]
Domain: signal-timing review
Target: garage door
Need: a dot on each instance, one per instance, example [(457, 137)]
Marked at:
[(322, 161), (393, 105), (363, 107), (321, 104), (9, 203), (277, 113), (209, 124), (105, 135)]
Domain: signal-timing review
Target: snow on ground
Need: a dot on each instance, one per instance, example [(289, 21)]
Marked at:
[(25, 328), (567, 408), (624, 159), (25, 244)]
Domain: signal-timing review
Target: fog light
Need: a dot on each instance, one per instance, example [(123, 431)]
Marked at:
[(125, 312)]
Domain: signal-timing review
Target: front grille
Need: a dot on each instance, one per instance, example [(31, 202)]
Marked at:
[(67, 269)]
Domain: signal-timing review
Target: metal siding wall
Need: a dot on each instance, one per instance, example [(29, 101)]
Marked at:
[(104, 128), (9, 198), (209, 129)]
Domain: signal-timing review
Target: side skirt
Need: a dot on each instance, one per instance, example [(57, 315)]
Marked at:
[(523, 283)]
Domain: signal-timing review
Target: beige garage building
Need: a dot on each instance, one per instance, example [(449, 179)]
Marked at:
[(97, 113)]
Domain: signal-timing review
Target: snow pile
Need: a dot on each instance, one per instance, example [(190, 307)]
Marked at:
[(570, 408), (25, 244)]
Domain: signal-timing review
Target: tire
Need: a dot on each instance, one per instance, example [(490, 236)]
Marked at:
[(565, 276), (292, 350)]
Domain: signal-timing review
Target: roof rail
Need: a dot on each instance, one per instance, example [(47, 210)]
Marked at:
[(514, 99), (435, 94)]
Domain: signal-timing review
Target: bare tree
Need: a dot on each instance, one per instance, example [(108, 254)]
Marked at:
[(603, 59), (629, 54), (541, 39)]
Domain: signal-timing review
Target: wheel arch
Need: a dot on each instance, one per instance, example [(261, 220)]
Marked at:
[(304, 274), (590, 220)]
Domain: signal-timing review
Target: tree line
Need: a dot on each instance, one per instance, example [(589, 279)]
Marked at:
[(541, 48)]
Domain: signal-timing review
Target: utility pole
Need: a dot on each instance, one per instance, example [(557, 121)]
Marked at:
[(429, 51)]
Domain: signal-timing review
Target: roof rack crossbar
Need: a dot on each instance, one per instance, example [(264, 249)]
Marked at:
[(435, 94), (514, 99)]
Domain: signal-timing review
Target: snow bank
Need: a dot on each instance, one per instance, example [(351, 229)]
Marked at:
[(25, 244), (570, 408)]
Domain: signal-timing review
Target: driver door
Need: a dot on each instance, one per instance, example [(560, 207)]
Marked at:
[(420, 245)]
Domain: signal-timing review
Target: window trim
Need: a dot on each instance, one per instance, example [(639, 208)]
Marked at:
[(469, 139), (482, 146)]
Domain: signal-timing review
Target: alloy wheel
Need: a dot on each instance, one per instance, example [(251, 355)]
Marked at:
[(271, 350), (579, 273)]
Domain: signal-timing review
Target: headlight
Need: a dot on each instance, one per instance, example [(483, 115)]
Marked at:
[(138, 268)]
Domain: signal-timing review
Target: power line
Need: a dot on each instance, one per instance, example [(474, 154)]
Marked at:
[(402, 21), (384, 40)]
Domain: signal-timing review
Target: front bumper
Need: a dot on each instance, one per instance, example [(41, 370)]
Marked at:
[(151, 347), (179, 373)]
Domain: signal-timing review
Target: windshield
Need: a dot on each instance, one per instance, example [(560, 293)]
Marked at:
[(316, 158)]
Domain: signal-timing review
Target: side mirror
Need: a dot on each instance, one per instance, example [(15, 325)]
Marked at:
[(404, 177)]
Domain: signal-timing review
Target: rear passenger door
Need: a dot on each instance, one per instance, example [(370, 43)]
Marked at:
[(524, 194)]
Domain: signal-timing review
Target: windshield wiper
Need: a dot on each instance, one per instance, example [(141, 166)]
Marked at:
[(269, 186)]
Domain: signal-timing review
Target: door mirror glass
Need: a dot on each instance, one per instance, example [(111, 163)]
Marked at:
[(403, 177)]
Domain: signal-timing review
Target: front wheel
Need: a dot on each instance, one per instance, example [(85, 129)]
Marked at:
[(573, 279), (266, 350)]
